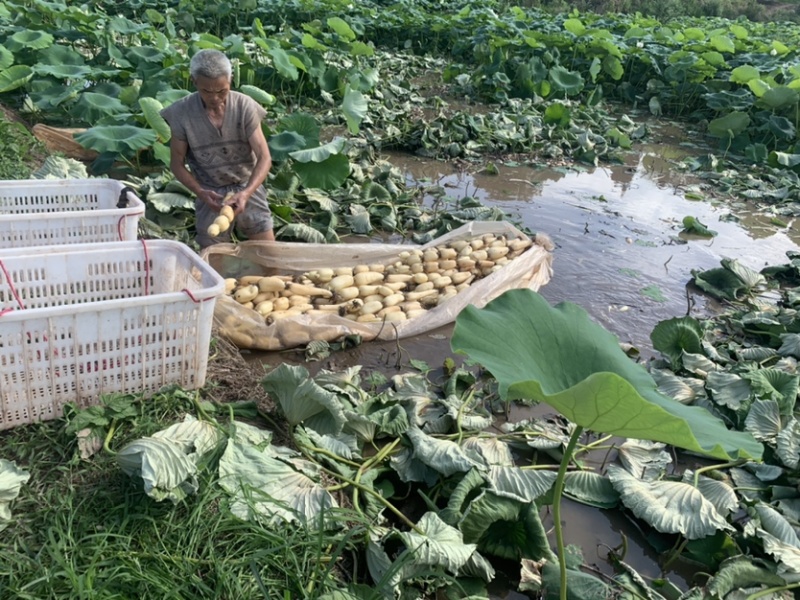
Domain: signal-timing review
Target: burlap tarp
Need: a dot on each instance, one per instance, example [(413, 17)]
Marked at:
[(247, 329)]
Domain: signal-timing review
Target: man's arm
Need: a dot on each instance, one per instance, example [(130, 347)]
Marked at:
[(177, 163)]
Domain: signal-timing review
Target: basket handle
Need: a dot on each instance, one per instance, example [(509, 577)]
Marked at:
[(123, 196)]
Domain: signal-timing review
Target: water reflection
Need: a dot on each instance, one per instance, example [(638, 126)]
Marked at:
[(617, 230)]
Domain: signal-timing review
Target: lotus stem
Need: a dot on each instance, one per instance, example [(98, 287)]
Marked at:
[(558, 489), (698, 472), (107, 441), (461, 414), (383, 453)]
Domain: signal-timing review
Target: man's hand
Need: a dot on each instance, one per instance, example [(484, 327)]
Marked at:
[(211, 198), (238, 201)]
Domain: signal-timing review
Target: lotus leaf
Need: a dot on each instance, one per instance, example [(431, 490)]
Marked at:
[(28, 40), (730, 125), (6, 58), (299, 396), (116, 139), (327, 174), (12, 478), (788, 444), (14, 77), (590, 488), (560, 356), (779, 97), (284, 143), (354, 107), (446, 457)]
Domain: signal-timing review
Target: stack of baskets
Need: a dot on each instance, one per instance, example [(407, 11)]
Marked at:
[(86, 309)]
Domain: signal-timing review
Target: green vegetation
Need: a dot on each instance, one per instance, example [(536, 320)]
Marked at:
[(20, 153)]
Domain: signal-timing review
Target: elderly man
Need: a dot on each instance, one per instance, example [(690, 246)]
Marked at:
[(218, 147)]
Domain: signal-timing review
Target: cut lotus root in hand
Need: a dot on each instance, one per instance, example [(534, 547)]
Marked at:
[(225, 219)]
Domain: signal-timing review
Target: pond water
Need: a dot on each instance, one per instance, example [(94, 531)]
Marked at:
[(621, 256)]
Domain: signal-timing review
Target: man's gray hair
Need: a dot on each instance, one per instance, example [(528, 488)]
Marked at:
[(211, 64)]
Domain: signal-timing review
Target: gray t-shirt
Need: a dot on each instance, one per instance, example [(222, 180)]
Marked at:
[(217, 157)]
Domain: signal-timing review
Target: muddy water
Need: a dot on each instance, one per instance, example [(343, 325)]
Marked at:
[(619, 254)]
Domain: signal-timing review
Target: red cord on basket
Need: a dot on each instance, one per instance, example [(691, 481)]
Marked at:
[(146, 270), (11, 285), (5, 311), (195, 300), (119, 228)]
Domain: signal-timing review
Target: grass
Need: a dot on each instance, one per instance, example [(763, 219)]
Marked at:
[(83, 529), (20, 153)]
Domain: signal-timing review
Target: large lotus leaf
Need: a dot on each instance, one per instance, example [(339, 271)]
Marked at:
[(151, 108), (92, 106), (780, 97), (558, 355), (777, 385), (328, 174), (116, 139), (164, 202), (6, 58), (724, 100), (669, 506), (564, 80), (764, 420), (493, 450), (675, 336), (467, 414), (14, 77), (720, 493), (444, 456), (505, 528), (523, 485), (683, 389), (283, 63), (787, 554), (439, 544), (262, 484), (644, 459), (776, 159), (698, 364), (722, 43), (354, 108), (29, 40), (776, 524), (721, 283), (195, 438), (319, 154), (300, 397), (304, 124), (464, 490), (580, 585), (788, 447), (63, 71), (284, 143), (741, 572), (728, 389), (302, 232), (359, 219), (782, 128), (59, 167), (12, 479), (409, 468), (730, 125), (167, 471), (343, 445), (590, 488), (341, 27)]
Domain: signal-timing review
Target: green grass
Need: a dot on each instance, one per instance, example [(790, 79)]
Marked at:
[(83, 529), (20, 152)]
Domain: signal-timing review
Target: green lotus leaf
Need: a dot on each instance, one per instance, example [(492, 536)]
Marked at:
[(714, 58), (145, 54), (505, 528), (164, 202), (28, 40), (575, 26), (151, 108), (6, 58), (258, 94), (674, 336), (722, 43), (14, 77), (304, 124), (12, 478), (740, 99), (301, 232), (782, 128), (613, 67), (359, 219), (299, 396), (518, 484), (776, 159), (669, 506), (775, 384), (560, 356), (327, 174), (283, 63), (118, 139), (409, 468), (730, 125), (694, 33), (444, 456), (557, 114), (260, 483), (720, 493), (759, 87), (788, 446), (283, 144), (780, 97), (341, 27), (646, 460), (728, 389), (590, 488), (494, 451), (167, 471), (319, 153), (564, 80), (683, 389), (63, 71), (354, 107), (721, 283)]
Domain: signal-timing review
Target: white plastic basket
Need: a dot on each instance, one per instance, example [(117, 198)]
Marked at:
[(39, 212), (81, 321)]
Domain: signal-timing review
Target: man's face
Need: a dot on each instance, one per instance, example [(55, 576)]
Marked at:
[(213, 92)]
